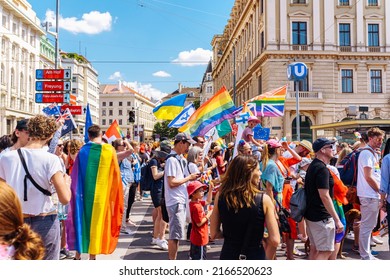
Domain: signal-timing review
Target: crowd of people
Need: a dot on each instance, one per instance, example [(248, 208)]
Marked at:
[(200, 191)]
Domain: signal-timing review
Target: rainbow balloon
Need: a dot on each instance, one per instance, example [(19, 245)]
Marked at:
[(96, 206)]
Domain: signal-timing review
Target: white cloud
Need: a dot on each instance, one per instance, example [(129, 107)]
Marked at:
[(116, 76), (146, 90), (93, 22), (193, 57), (161, 74)]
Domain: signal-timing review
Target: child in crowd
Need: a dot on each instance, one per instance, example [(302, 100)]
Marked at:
[(199, 236)]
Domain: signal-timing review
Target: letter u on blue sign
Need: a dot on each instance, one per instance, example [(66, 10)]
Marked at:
[(297, 71)]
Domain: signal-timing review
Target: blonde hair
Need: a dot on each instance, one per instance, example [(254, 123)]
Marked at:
[(13, 231)]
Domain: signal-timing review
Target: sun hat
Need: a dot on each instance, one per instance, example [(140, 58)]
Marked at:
[(307, 145), (320, 143), (165, 146), (193, 186), (230, 145), (254, 119), (273, 143)]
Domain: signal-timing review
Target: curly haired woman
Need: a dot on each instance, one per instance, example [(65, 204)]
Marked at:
[(46, 170)]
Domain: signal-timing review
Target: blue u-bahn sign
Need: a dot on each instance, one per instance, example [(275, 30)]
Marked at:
[(296, 71)]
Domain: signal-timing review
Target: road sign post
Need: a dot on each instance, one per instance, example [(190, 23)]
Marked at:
[(53, 85)]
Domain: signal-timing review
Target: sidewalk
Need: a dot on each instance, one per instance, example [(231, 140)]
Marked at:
[(138, 247)]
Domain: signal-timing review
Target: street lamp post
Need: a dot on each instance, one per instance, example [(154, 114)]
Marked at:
[(47, 25)]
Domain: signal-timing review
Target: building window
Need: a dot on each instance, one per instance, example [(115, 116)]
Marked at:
[(208, 77), (104, 103), (103, 112), (2, 73), (299, 1), (110, 112), (344, 3), (209, 89), (372, 3), (103, 121), (110, 103), (120, 103), (128, 103), (12, 78), (299, 31), (373, 35), (120, 121), (346, 80), (120, 112), (345, 34), (376, 81), (110, 121)]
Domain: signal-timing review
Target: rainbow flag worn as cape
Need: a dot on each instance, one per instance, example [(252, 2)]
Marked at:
[(96, 207), (211, 113), (270, 104)]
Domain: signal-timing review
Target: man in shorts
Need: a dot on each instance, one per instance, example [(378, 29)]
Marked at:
[(175, 191), (321, 218)]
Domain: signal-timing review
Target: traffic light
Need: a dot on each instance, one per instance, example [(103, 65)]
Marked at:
[(131, 116)]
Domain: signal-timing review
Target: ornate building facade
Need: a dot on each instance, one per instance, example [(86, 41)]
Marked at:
[(344, 43)]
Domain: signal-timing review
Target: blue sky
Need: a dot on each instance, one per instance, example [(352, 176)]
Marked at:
[(137, 41)]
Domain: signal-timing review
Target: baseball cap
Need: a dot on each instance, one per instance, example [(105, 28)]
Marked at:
[(22, 124), (193, 186), (320, 143), (307, 145), (273, 143), (184, 137)]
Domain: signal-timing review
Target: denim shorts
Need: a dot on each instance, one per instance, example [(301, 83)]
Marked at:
[(48, 227), (177, 221)]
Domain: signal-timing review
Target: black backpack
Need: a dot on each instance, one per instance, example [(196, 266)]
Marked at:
[(146, 176)]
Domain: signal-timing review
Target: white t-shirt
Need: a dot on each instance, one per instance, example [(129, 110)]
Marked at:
[(42, 165), (367, 158), (175, 168)]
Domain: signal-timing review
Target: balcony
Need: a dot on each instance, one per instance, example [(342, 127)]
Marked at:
[(345, 49), (304, 95), (374, 49), (299, 47)]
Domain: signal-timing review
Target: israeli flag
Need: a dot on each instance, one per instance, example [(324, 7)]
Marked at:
[(183, 117)]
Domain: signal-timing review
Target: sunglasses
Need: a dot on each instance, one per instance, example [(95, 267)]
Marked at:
[(60, 145)]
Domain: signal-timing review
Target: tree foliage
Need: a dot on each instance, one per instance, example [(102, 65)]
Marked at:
[(162, 129)]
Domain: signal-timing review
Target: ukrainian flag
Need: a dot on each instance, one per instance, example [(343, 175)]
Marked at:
[(169, 109)]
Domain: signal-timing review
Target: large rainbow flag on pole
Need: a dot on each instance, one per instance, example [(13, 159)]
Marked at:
[(269, 104), (96, 206), (214, 111)]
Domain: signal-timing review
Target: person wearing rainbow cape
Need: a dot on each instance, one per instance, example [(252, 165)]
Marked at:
[(96, 207)]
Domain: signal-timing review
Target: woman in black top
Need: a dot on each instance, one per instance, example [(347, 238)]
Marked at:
[(243, 211)]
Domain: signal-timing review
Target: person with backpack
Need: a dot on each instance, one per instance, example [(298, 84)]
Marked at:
[(321, 218), (368, 184), (156, 174)]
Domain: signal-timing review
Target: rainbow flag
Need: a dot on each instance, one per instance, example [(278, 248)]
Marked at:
[(96, 207), (269, 104), (113, 132), (169, 109), (214, 111)]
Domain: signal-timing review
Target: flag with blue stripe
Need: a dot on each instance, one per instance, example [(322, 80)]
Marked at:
[(88, 123), (183, 117), (169, 109)]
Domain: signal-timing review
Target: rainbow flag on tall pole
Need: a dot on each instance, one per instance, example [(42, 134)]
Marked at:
[(213, 112), (168, 110), (269, 104)]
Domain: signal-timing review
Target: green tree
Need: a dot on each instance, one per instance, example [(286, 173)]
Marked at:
[(163, 130), (196, 104)]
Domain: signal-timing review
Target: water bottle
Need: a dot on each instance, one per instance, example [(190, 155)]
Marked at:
[(62, 211)]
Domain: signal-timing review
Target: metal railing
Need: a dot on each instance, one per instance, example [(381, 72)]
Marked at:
[(305, 95)]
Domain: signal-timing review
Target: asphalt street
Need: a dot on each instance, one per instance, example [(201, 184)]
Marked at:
[(138, 247)]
